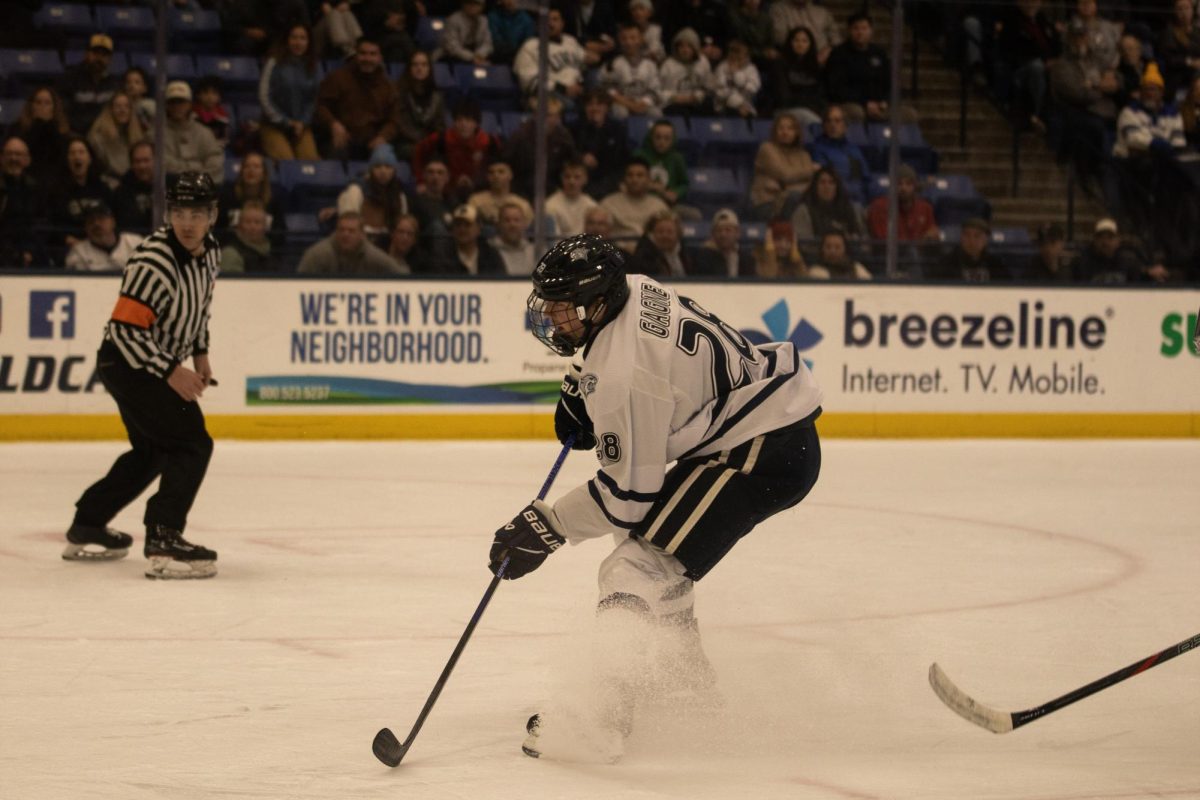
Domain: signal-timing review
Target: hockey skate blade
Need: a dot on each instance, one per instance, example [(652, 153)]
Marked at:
[(575, 745), (80, 552), (170, 569), (387, 748), (965, 706)]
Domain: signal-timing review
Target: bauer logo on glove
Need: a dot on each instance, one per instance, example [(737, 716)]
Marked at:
[(525, 542)]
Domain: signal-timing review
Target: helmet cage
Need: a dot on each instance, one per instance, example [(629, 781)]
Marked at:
[(576, 286)]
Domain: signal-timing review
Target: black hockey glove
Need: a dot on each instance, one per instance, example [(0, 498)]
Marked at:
[(526, 541), (571, 417)]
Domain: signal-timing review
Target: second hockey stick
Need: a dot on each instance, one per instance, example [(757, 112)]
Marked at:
[(386, 746), (998, 721)]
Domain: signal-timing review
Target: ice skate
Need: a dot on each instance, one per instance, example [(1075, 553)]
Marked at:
[(571, 738), (172, 557), (689, 677), (91, 543)]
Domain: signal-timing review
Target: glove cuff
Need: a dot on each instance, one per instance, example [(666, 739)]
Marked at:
[(547, 512)]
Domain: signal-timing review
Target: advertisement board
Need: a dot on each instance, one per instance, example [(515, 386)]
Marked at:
[(414, 358)]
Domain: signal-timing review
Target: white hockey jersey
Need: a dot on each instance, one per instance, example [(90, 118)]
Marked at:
[(667, 380)]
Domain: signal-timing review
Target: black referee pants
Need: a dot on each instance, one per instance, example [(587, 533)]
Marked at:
[(708, 503), (168, 438)]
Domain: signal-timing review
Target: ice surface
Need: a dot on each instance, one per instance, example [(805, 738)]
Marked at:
[(348, 571)]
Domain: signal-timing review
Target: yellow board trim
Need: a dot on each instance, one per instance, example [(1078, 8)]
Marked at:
[(80, 427)]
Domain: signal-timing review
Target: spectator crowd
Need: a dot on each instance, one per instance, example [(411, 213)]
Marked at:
[(438, 178)]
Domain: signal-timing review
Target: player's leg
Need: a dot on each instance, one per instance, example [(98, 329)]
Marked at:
[(177, 432), (89, 537)]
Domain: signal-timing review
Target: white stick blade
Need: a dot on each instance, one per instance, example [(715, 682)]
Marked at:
[(962, 704)]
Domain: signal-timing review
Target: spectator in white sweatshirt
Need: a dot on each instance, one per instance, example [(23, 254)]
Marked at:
[(736, 82), (632, 78)]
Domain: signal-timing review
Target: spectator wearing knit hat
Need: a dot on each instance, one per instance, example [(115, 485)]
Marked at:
[(914, 218), (1149, 124)]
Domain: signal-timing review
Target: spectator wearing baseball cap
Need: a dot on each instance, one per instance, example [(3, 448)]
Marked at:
[(970, 261), (1052, 263), (87, 86), (105, 249), (187, 144), (1109, 259)]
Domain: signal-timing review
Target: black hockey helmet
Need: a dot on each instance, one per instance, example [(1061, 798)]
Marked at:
[(586, 271), (192, 190)]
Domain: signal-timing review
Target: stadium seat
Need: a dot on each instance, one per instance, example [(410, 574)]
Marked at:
[(10, 110), (429, 33), (712, 188), (180, 66), (723, 141), (694, 231), (30, 65), (491, 86), (125, 22), (197, 29), (312, 184), (754, 232), (639, 125), (331, 64), (234, 71), (118, 65), (303, 225), (490, 122), (510, 121), (395, 69), (1012, 237), (762, 130), (67, 18), (955, 199), (247, 112), (914, 150)]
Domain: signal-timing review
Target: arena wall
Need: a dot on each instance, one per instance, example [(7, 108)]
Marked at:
[(330, 359)]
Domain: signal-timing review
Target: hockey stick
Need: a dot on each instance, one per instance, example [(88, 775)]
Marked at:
[(386, 746), (998, 721)]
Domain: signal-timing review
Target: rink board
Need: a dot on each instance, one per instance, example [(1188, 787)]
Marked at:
[(360, 359)]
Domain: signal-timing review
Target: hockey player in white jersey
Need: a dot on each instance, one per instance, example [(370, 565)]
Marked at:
[(700, 436)]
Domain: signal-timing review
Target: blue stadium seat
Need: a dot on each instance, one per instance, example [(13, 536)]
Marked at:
[(443, 77), (196, 29), (10, 110), (639, 125), (754, 232), (247, 112), (119, 63), (762, 129), (712, 188), (330, 64), (724, 141), (65, 18), (510, 121), (914, 150), (312, 184), (30, 65), (232, 70), (491, 86), (128, 22), (429, 33), (180, 66), (194, 23), (490, 122), (955, 199), (395, 69), (1012, 237), (302, 224), (695, 231)]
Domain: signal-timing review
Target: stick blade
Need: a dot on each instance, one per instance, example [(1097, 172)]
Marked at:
[(387, 748), (965, 706)]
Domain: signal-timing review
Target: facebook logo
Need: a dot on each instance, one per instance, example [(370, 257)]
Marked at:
[(51, 315)]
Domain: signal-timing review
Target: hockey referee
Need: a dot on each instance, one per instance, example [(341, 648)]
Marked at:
[(159, 321)]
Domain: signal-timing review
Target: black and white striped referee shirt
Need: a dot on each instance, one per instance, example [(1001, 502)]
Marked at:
[(161, 317)]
